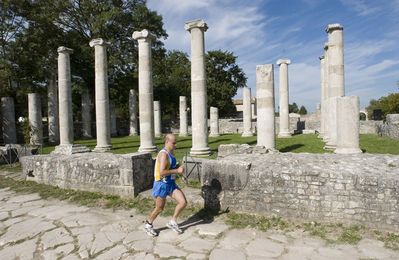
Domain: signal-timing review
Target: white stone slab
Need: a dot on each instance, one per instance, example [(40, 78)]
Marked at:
[(55, 237), (113, 253), (264, 248), (197, 245), (212, 229), (167, 250), (230, 254)]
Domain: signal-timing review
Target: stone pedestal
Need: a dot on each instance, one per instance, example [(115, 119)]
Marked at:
[(8, 120), (133, 130), (66, 146), (157, 119), (183, 116), (103, 125), (265, 106), (35, 119), (146, 110), (247, 113), (86, 114), (112, 114), (284, 99), (52, 111), (214, 121), (348, 125), (198, 89)]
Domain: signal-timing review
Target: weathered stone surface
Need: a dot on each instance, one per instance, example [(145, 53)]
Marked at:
[(113, 253), (23, 251), (391, 126), (56, 237), (375, 250), (264, 248), (197, 245), (227, 254), (25, 229), (213, 230), (124, 175), (59, 252), (167, 250), (309, 187), (24, 198), (236, 239)]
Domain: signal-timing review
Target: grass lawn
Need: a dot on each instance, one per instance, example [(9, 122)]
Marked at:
[(297, 144)]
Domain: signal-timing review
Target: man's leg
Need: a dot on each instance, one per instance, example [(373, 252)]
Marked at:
[(159, 205), (179, 197)]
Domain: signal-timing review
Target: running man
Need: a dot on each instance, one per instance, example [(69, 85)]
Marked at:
[(164, 185)]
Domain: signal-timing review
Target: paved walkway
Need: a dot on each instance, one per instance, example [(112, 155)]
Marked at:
[(33, 228)]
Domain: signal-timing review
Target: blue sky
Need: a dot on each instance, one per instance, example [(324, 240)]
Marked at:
[(262, 31)]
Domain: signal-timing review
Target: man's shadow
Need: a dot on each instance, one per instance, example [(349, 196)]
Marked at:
[(210, 194)]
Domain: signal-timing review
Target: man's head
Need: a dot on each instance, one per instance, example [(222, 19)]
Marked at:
[(170, 142)]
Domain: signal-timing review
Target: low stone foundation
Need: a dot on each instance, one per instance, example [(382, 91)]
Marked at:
[(125, 175), (329, 188)]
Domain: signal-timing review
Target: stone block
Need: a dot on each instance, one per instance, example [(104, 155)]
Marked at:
[(124, 175)]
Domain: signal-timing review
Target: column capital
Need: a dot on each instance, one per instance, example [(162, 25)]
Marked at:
[(333, 26), (283, 61), (98, 41), (200, 23), (63, 49), (321, 57), (143, 35)]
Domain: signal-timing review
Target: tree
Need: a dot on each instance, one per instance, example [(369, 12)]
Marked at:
[(224, 77), (293, 108), (302, 110), (387, 104)]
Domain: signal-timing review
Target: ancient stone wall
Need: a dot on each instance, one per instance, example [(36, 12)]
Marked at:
[(349, 189), (125, 175), (390, 128)]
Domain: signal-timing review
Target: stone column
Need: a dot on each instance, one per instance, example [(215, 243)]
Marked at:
[(35, 119), (133, 113), (214, 121), (183, 116), (322, 94), (284, 117), (247, 113), (66, 146), (65, 96), (103, 125), (325, 92), (198, 89), (86, 114), (146, 110), (157, 119), (332, 123), (112, 112), (335, 76), (8, 123), (265, 106), (348, 125), (336, 60), (52, 111)]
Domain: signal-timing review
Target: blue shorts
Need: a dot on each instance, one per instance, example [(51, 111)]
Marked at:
[(163, 189)]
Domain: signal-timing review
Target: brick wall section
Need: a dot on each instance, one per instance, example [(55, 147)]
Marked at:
[(125, 175), (328, 188)]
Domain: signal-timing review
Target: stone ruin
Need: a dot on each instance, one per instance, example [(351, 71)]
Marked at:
[(352, 188)]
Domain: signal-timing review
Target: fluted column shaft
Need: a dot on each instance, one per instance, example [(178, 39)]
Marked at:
[(214, 121), (284, 131), (35, 119), (157, 119), (8, 123), (146, 99), (247, 113), (86, 114), (265, 106), (103, 124), (199, 117), (183, 116), (65, 96), (133, 113)]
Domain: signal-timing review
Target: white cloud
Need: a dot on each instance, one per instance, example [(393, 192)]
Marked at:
[(360, 7)]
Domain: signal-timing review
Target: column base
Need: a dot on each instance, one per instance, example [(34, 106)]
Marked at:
[(69, 149), (330, 147), (284, 135), (102, 149), (206, 151), (321, 136), (348, 151), (149, 149), (247, 134), (214, 135)]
